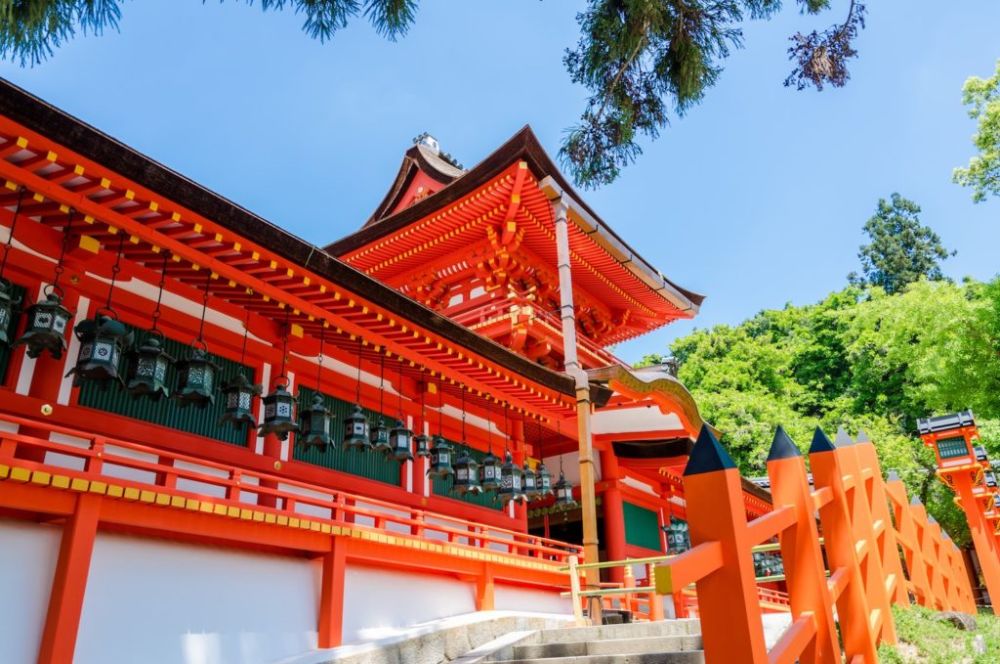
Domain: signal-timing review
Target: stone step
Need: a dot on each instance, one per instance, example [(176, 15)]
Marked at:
[(686, 657), (628, 646), (687, 627)]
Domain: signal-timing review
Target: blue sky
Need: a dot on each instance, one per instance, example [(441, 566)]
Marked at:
[(755, 198)]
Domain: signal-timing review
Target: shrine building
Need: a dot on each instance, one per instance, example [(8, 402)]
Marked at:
[(221, 442)]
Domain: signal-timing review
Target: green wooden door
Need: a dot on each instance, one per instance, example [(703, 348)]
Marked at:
[(642, 526)]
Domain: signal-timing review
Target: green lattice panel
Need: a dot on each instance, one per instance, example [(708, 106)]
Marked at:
[(952, 448), (167, 412), (365, 463), (442, 487)]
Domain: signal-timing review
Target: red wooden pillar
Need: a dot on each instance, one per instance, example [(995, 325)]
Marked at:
[(730, 613), (62, 621), (46, 380), (614, 513), (982, 537), (520, 456), (485, 589), (805, 572), (331, 600)]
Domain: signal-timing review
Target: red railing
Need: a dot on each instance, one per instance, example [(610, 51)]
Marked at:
[(222, 488)]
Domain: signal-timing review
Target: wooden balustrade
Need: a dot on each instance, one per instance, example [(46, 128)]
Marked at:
[(224, 487), (865, 522)]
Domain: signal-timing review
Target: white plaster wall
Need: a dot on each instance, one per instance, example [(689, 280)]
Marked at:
[(381, 602), (156, 602), (514, 598), (28, 554)]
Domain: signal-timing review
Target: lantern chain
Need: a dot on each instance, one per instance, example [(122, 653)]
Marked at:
[(464, 442), (60, 268), (159, 295), (506, 429), (284, 346), (399, 389), (319, 363), (10, 236), (204, 309), (381, 385), (115, 269), (357, 396), (246, 333)]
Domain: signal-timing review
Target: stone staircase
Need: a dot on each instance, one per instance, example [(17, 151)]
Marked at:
[(663, 642)]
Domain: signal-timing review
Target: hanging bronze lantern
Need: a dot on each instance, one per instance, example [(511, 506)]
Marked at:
[(7, 305), (7, 301), (380, 437), (48, 319), (237, 397), (196, 379), (196, 374), (400, 438), (238, 393), (46, 327), (510, 481), (564, 492), (423, 442), (380, 432), (148, 369), (356, 430), (441, 458), (530, 482), (316, 425), (103, 340), (543, 479), (490, 472), (466, 479), (279, 411)]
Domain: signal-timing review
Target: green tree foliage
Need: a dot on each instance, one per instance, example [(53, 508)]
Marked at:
[(639, 59), (900, 250), (860, 358), (983, 172)]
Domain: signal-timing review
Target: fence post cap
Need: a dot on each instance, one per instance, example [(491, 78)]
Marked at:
[(892, 476), (842, 439), (863, 437), (820, 443), (782, 446), (707, 455), (915, 501)]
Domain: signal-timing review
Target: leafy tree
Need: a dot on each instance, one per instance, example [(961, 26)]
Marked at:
[(860, 358), (901, 249), (983, 172), (637, 58)]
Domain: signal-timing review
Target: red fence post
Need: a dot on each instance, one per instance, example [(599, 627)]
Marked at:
[(730, 613), (908, 537), (887, 548), (857, 479), (805, 572), (842, 552)]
